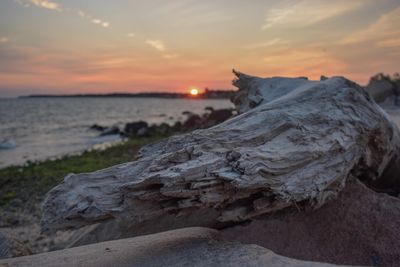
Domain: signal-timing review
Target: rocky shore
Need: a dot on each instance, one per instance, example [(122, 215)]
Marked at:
[(20, 207), (193, 121), (307, 169)]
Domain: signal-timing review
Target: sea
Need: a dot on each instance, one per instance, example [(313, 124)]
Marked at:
[(35, 129)]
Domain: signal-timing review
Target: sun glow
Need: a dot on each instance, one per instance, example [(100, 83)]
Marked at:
[(194, 91)]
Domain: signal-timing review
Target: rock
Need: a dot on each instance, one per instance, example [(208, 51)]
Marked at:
[(219, 116), (209, 108), (163, 128), (323, 78), (142, 132), (106, 130), (212, 118), (7, 144), (133, 128), (10, 217), (111, 131), (186, 112), (177, 127), (396, 86), (98, 127), (380, 89), (396, 89), (11, 247), (196, 247), (361, 227), (294, 144), (193, 121), (159, 129), (397, 101)]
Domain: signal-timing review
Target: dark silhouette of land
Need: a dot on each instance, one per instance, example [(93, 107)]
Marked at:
[(207, 94)]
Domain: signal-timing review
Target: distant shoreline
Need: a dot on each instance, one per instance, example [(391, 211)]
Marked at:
[(208, 94)]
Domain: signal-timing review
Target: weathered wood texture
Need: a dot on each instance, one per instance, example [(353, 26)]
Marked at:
[(295, 142)]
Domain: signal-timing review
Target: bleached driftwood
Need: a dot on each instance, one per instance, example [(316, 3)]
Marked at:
[(295, 143)]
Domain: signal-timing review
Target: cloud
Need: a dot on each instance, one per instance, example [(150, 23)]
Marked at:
[(41, 3), (28, 60), (156, 44), (47, 4), (384, 32), (304, 13), (104, 24), (389, 43), (130, 35), (90, 18), (310, 61), (56, 6), (273, 42), (3, 40)]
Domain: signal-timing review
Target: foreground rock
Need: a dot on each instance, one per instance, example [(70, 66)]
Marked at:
[(186, 247), (295, 144), (361, 227)]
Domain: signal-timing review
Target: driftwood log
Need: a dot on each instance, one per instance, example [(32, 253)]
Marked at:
[(295, 142)]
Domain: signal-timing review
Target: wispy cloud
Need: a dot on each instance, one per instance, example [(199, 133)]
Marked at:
[(104, 24), (395, 42), (41, 3), (156, 44), (385, 32), (130, 35), (273, 42), (56, 6), (90, 18), (304, 13), (160, 46), (306, 60)]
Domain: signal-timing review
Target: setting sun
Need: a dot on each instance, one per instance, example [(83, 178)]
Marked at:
[(194, 91)]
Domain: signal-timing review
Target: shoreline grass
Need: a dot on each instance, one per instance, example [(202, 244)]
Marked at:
[(30, 182)]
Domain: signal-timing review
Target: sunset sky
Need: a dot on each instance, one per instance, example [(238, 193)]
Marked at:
[(99, 46)]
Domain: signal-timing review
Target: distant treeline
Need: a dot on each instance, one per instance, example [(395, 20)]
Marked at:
[(394, 79), (207, 94)]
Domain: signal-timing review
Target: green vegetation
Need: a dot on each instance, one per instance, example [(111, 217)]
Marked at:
[(31, 181)]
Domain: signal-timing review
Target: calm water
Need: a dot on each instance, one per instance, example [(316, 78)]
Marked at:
[(40, 128)]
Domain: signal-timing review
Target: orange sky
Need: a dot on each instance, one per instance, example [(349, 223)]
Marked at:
[(77, 46)]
